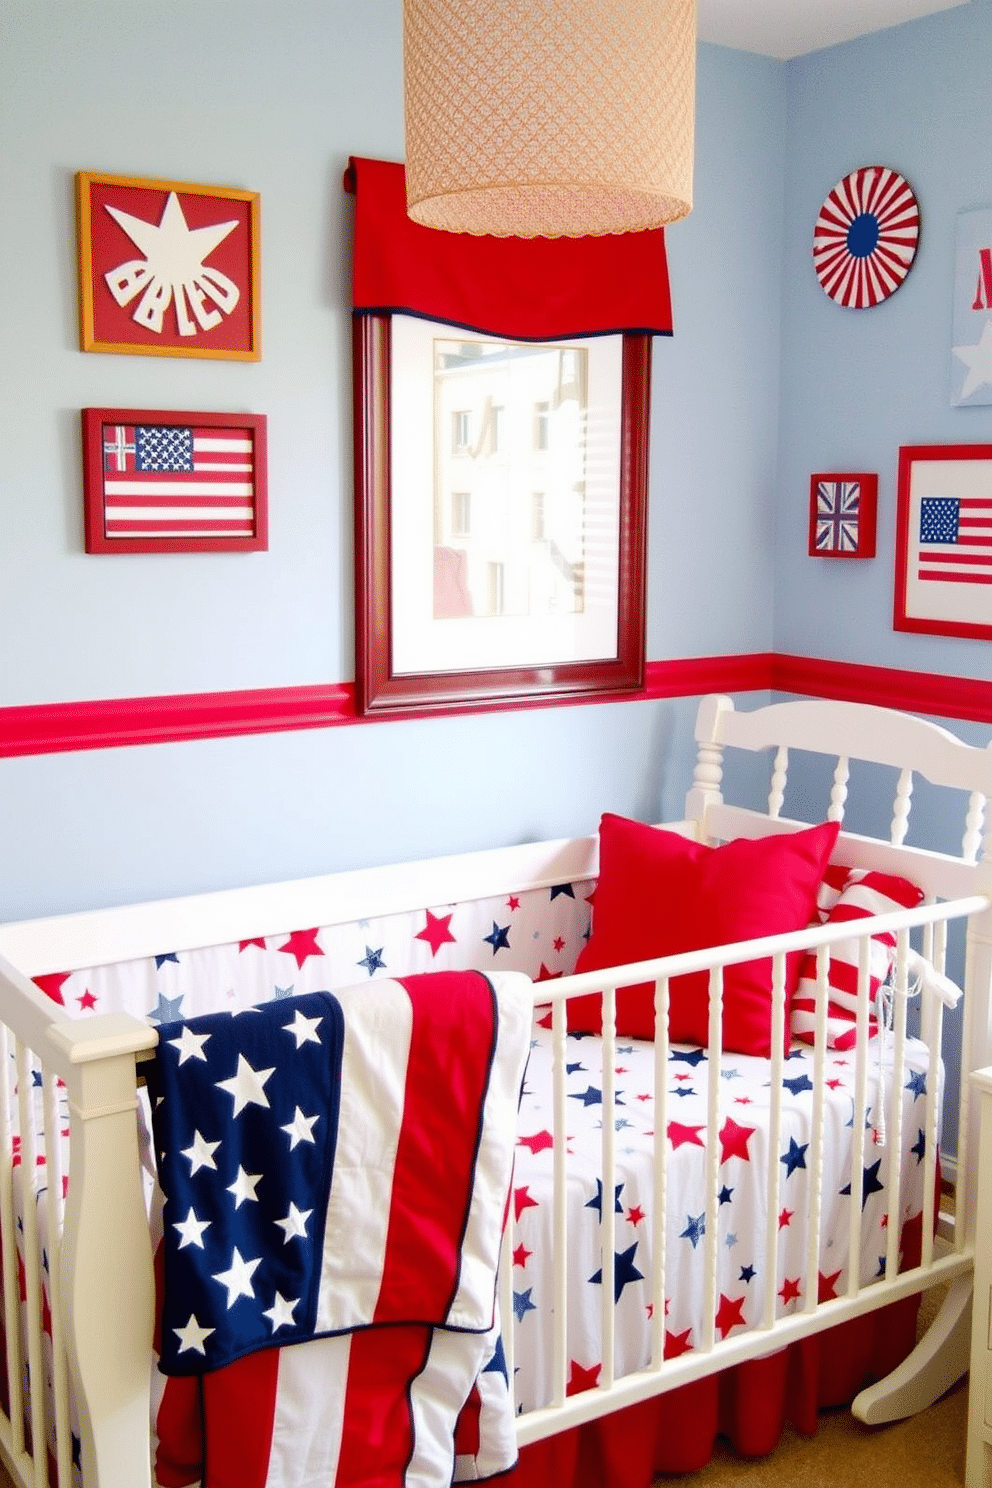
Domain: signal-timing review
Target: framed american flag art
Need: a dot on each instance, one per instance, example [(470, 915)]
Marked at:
[(842, 514), (167, 268), (163, 482), (943, 582)]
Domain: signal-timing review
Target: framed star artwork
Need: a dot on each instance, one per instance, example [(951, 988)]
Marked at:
[(167, 268), (943, 570), (157, 482), (842, 513), (971, 341)]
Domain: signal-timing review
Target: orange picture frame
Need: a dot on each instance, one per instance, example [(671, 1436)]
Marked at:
[(168, 268)]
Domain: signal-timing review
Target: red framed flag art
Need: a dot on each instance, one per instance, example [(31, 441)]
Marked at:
[(842, 514), (944, 540), (163, 482), (167, 268)]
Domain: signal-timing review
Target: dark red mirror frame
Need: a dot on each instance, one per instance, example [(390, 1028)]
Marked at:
[(380, 691)]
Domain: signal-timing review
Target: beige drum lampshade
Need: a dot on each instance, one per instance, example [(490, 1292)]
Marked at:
[(549, 118)]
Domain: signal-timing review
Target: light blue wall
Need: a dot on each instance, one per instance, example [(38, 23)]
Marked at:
[(273, 98), (857, 384)]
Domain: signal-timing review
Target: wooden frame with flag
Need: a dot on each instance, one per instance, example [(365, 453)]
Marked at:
[(164, 482), (943, 569)]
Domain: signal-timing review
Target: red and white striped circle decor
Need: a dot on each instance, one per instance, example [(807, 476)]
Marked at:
[(865, 237)]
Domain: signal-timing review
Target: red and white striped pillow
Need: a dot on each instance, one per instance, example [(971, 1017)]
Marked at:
[(864, 893)]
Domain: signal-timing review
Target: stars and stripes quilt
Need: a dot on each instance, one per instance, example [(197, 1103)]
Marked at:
[(335, 1172)]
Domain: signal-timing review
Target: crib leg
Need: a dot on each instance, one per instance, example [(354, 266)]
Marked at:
[(938, 1361)]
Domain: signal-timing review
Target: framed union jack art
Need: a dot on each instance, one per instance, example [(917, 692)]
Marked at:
[(944, 540), (167, 268), (157, 482), (842, 512)]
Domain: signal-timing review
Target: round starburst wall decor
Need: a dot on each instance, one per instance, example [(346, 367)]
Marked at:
[(866, 236)]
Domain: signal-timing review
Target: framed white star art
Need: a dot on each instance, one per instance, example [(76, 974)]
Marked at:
[(971, 337), (167, 268)]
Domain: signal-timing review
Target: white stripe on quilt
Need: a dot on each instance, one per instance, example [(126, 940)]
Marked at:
[(309, 1413), (494, 1166), (377, 1038), (436, 1397)]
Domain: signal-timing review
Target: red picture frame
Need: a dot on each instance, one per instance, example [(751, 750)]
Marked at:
[(169, 482), (168, 268), (383, 689), (843, 508), (943, 567)]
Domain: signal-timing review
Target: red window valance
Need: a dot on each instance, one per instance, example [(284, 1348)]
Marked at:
[(528, 289)]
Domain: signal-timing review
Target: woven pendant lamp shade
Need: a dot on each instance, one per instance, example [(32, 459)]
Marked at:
[(549, 118)]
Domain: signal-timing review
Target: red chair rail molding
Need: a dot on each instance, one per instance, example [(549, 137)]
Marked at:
[(62, 727)]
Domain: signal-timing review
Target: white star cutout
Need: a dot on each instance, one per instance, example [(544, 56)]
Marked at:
[(247, 1086), (191, 1228), (295, 1223), (304, 1030), (173, 268), (190, 1045), (201, 1154), (238, 1278), (244, 1187), (300, 1129), (192, 1336), (280, 1314), (978, 360)]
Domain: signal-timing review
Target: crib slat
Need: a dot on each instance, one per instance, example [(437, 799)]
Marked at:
[(607, 1206), (714, 1053), (817, 1133), (776, 1074), (780, 776), (931, 1119), (895, 1133), (559, 1022), (659, 1227), (32, 1268), (838, 791), (859, 1119), (8, 1239), (900, 808)]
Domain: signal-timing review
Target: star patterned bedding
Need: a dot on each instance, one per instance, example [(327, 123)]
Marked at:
[(742, 1280)]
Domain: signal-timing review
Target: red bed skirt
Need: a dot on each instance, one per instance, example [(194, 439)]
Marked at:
[(749, 1404)]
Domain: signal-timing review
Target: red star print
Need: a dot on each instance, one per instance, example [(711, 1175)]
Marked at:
[(785, 1217), (645, 1096), (301, 944), (729, 1314), (790, 1290), (680, 1135), (558, 943), (677, 1343), (827, 1286), (683, 1077), (87, 1001), (520, 1255), (259, 940), (635, 1215), (835, 1084), (522, 1200), (734, 1140), (52, 983), (539, 1142), (545, 1022), (544, 975), (436, 931), (513, 902), (582, 1379)]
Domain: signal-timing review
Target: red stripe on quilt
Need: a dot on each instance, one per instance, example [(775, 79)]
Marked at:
[(239, 1407), (377, 1429), (451, 1050)]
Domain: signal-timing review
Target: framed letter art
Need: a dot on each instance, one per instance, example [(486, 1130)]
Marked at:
[(158, 482), (500, 516), (167, 268), (943, 580)]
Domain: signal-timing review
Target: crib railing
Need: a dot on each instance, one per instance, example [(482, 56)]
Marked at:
[(940, 1260), (75, 1257)]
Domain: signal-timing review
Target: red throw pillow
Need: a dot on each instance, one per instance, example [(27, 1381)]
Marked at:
[(658, 894), (864, 893)]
